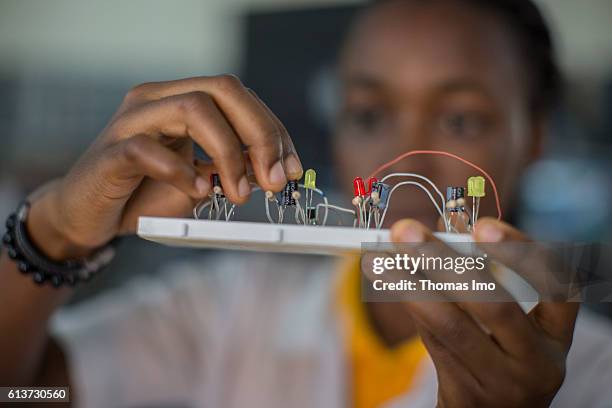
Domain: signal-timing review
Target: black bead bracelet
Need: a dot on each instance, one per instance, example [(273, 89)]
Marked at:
[(31, 261)]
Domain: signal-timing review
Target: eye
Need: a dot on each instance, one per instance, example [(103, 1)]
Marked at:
[(364, 119), (463, 124)]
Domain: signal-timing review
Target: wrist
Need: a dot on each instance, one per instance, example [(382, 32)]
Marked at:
[(47, 236)]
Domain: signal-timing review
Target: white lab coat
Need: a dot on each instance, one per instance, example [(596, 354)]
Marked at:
[(253, 330)]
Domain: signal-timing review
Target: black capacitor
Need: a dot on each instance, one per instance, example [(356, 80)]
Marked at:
[(215, 180), (286, 198), (454, 193)]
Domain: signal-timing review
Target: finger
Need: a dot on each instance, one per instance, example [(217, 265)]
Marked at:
[(538, 265), (410, 231), (504, 319), (456, 333), (291, 161), (176, 204), (508, 324), (489, 229), (452, 374), (557, 320), (193, 115), (419, 242), (257, 129), (141, 156)]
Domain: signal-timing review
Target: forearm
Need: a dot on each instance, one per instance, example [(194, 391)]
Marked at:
[(25, 307)]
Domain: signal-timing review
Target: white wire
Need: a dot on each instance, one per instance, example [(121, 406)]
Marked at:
[(469, 213), (199, 207), (323, 196), (324, 222), (363, 214), (230, 213), (298, 212), (204, 204), (369, 218), (218, 217), (431, 183), (337, 208), (413, 183), (268, 211)]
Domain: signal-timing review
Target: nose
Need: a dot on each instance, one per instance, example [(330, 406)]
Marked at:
[(412, 134)]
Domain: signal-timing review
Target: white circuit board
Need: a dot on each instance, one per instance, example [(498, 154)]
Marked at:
[(303, 239), (255, 236)]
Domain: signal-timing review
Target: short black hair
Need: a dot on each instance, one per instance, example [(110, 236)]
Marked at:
[(535, 44)]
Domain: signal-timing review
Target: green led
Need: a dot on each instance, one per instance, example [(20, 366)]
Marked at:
[(476, 186), (310, 179)]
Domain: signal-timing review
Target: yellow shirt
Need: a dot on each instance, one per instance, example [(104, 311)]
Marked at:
[(378, 373)]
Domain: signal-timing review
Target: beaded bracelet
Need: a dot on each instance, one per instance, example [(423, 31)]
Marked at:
[(30, 260)]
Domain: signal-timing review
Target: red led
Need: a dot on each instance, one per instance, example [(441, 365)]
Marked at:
[(371, 182), (358, 187)]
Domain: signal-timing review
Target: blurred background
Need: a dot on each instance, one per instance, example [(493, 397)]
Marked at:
[(65, 66)]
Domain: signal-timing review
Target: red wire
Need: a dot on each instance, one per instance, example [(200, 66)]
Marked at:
[(443, 153)]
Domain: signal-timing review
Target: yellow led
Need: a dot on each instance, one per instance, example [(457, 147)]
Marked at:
[(476, 186), (310, 178)]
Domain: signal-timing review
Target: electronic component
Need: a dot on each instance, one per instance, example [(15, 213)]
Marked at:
[(310, 179), (371, 200), (287, 198), (456, 218), (359, 187), (218, 204), (310, 184), (359, 202), (311, 215), (215, 181), (455, 198), (476, 190), (380, 195), (476, 186), (371, 182)]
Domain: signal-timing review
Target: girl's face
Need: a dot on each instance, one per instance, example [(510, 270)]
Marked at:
[(436, 76)]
